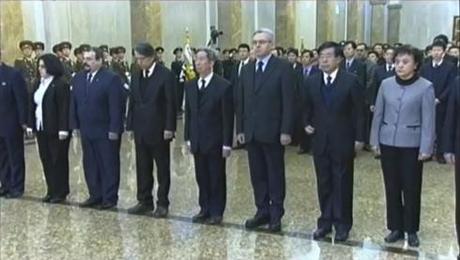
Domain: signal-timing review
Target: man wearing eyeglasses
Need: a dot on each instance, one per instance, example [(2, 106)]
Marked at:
[(265, 124)]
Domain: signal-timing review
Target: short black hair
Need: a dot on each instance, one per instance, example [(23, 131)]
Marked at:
[(453, 47), (372, 52), (52, 64), (244, 46), (233, 50), (439, 43), (441, 37), (310, 53), (338, 52), (411, 51), (225, 51), (281, 50), (159, 49), (112, 51), (177, 50), (145, 49), (56, 48), (353, 44), (293, 50), (390, 48), (428, 48), (362, 44), (97, 51), (39, 45)]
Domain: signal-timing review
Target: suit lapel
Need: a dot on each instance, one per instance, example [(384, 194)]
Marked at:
[(267, 72)]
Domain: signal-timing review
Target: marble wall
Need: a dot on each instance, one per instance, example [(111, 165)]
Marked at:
[(11, 30)]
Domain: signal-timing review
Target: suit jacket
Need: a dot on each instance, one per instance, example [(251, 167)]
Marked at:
[(359, 69), (441, 78), (404, 116), (154, 111), (447, 57), (29, 71), (381, 73), (267, 109), (13, 101), (340, 124), (55, 107), (176, 67), (452, 124), (97, 107), (313, 71), (209, 115)]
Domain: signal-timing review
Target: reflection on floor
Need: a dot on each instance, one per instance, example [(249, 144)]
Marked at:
[(30, 229)]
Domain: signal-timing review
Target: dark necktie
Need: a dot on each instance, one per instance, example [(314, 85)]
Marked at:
[(201, 89), (348, 65), (327, 92), (329, 81), (259, 73), (88, 82)]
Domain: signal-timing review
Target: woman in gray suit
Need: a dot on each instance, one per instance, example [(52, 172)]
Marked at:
[(403, 133)]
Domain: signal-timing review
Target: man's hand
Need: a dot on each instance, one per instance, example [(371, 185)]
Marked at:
[(188, 146), (359, 146), (437, 101), (285, 139), (309, 130), (376, 150), (63, 135), (423, 157), (113, 136), (76, 133), (226, 151), (372, 109), (29, 132), (168, 135), (450, 158), (241, 139)]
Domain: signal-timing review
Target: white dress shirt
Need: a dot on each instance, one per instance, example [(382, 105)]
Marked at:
[(437, 63), (38, 99), (150, 71), (333, 75), (265, 61)]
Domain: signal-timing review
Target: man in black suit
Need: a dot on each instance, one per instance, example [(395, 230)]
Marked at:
[(452, 144), (353, 65), (266, 122), (176, 68), (208, 133), (441, 73), (13, 114), (152, 118), (333, 115), (382, 72), (96, 114)]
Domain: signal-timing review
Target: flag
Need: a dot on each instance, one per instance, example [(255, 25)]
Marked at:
[(187, 68)]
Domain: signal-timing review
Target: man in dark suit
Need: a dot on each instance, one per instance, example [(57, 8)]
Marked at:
[(208, 133), (177, 69), (452, 144), (308, 69), (96, 113), (152, 119), (441, 73), (353, 65), (382, 72), (266, 125), (333, 115), (27, 65), (13, 114)]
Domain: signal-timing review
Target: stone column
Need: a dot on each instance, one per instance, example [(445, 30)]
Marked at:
[(394, 20), (378, 22), (146, 22), (285, 23), (11, 30)]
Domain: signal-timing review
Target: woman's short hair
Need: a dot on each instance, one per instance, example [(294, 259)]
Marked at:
[(411, 51)]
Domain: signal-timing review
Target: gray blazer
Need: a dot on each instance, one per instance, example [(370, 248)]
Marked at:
[(404, 116)]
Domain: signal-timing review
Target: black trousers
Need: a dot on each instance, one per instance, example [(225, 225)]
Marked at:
[(146, 154), (180, 95), (440, 119), (211, 180), (12, 163), (334, 178), (101, 163), (266, 165), (457, 196), (402, 174), (54, 155)]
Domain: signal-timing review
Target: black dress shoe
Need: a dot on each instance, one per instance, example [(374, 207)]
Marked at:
[(107, 205), (90, 203), (413, 240), (321, 233), (214, 220), (200, 217), (141, 208), (256, 222), (274, 227), (3, 192), (13, 195), (341, 236), (394, 236), (57, 200), (46, 199), (160, 212)]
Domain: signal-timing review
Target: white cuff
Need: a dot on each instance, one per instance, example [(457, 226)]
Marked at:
[(228, 148), (63, 133)]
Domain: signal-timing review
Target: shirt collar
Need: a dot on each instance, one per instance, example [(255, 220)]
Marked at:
[(47, 81), (151, 69), (439, 63), (207, 79), (264, 60), (350, 61), (246, 61), (333, 75)]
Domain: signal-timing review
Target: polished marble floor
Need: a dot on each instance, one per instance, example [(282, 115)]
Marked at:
[(30, 229)]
